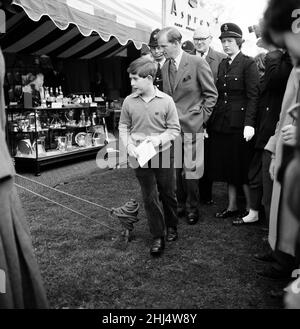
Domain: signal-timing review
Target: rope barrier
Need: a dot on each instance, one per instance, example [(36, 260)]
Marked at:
[(126, 214), (61, 205), (65, 193)]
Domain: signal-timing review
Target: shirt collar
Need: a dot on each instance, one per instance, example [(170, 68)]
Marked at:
[(158, 93), (162, 62), (234, 56), (204, 54), (178, 58)]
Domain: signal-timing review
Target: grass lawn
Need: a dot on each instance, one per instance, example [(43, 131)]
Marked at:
[(84, 265)]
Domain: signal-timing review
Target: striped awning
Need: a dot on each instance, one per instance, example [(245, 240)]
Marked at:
[(76, 28)]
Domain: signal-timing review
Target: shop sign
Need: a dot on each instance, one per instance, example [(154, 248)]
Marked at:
[(185, 15)]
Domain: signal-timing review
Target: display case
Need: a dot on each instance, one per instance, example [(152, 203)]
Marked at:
[(39, 136)]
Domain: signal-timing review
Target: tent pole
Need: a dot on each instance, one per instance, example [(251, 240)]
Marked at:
[(163, 10)]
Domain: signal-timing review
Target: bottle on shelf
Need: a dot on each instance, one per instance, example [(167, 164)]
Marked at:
[(59, 96), (94, 117), (82, 119), (48, 97), (52, 97), (60, 92)]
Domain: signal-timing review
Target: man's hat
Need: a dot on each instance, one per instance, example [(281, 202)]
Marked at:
[(153, 38), (188, 47), (230, 30)]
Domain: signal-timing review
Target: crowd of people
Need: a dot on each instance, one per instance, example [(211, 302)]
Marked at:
[(237, 119)]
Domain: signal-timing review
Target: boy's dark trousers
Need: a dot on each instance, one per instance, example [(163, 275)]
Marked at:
[(158, 183)]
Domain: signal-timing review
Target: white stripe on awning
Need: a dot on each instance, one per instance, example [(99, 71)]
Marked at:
[(79, 5), (32, 37), (101, 50), (106, 17), (79, 46), (59, 42)]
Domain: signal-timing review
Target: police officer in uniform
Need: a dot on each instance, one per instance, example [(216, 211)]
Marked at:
[(189, 47), (158, 56), (231, 125)]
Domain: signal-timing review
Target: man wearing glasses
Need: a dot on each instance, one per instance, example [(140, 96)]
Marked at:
[(202, 40)]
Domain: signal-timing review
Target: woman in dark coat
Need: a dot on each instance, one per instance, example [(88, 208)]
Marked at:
[(278, 68), (231, 126)]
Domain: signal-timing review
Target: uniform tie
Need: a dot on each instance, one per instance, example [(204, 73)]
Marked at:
[(158, 77), (172, 73), (228, 62)]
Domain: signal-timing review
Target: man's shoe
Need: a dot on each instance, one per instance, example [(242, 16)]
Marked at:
[(158, 245), (265, 258), (274, 274), (172, 234), (227, 213), (192, 219)]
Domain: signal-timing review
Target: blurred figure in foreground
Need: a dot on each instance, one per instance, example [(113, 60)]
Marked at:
[(20, 280)]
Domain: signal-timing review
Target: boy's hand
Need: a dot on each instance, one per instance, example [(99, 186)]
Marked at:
[(155, 140), (131, 150)]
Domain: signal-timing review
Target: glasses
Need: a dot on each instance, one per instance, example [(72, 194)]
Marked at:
[(200, 39)]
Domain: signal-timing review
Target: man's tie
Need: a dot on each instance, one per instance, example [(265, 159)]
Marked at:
[(158, 73), (228, 62), (172, 73)]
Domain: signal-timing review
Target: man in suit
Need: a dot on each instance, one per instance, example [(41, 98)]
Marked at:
[(158, 56), (202, 39), (189, 80)]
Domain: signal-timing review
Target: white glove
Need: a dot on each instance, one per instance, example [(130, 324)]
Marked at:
[(205, 134), (155, 140), (131, 149), (248, 133)]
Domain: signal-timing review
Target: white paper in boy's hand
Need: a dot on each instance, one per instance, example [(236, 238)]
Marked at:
[(145, 152)]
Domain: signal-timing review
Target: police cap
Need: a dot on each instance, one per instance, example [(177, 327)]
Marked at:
[(230, 30), (153, 38)]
